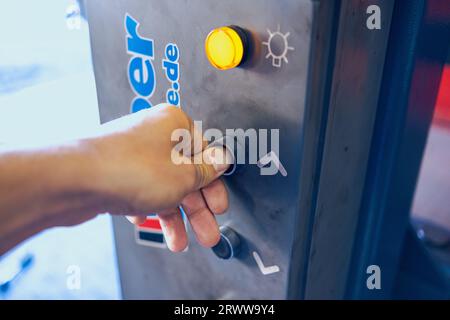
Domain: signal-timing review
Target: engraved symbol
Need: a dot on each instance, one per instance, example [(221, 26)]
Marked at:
[(277, 47), (264, 270)]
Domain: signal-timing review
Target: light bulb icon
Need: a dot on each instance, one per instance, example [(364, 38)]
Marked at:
[(277, 47)]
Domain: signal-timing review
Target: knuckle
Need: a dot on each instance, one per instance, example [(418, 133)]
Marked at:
[(219, 207), (181, 117)]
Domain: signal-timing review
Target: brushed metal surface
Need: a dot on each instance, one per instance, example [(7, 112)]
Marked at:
[(258, 95)]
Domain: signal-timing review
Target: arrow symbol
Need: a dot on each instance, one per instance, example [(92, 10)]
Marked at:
[(264, 270), (275, 165)]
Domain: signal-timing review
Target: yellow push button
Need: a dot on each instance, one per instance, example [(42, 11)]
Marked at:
[(225, 47)]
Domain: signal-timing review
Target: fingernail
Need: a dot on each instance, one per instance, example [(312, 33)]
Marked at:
[(219, 157)]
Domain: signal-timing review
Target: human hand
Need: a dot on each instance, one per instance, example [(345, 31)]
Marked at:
[(138, 176)]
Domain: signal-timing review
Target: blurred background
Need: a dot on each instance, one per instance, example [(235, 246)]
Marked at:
[(47, 92)]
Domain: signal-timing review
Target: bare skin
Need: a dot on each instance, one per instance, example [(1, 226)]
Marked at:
[(125, 169)]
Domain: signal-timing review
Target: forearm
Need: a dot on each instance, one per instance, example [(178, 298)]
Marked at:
[(124, 167), (42, 188)]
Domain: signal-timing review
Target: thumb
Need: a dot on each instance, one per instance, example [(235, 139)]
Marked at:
[(211, 164)]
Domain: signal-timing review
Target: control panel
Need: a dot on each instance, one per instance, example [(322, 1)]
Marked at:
[(241, 67)]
